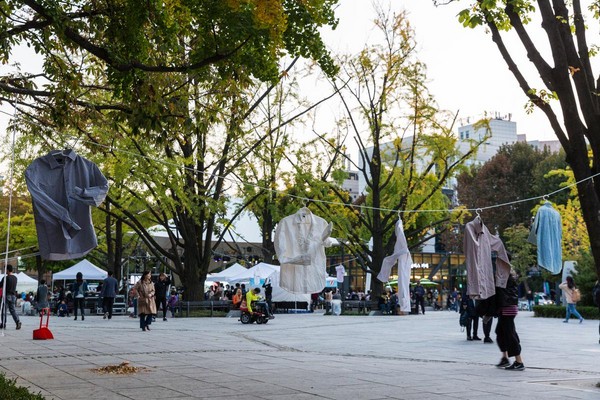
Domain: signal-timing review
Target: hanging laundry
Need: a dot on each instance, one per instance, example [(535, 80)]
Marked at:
[(300, 240), (546, 233), (478, 245), (402, 256), (63, 186), (340, 271)]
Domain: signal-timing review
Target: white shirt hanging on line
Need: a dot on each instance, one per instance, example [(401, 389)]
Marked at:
[(402, 256), (300, 240), (340, 271)]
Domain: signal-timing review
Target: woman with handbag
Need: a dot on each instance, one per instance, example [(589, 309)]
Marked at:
[(146, 304), (572, 297)]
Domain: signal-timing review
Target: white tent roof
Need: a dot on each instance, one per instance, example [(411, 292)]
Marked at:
[(226, 274), (259, 271), (89, 271), (24, 278), (264, 271), (25, 283)]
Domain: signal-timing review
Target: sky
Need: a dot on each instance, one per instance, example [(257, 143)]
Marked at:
[(466, 73)]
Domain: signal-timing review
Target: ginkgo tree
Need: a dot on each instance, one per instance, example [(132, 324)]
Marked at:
[(158, 93), (407, 149)]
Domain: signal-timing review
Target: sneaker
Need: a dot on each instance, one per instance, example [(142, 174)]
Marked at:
[(476, 338), (581, 321), (503, 363), (105, 315), (516, 366), (488, 340), (19, 325), (469, 338), (566, 321), (164, 319)]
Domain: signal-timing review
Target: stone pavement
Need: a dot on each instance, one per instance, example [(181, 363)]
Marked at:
[(301, 356)]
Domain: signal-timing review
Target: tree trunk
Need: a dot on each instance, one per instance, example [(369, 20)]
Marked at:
[(118, 250)]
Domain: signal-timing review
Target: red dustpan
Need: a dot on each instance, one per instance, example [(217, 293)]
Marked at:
[(43, 333)]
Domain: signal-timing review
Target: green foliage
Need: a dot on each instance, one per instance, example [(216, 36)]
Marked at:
[(517, 171), (523, 252), (10, 390), (586, 277)]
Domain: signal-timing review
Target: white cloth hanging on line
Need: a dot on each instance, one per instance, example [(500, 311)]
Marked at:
[(546, 233), (402, 256), (63, 186), (478, 245), (340, 271), (300, 240)]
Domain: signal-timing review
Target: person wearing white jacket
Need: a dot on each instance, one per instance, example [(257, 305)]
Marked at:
[(300, 240)]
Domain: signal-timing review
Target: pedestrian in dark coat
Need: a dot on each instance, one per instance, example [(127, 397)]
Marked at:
[(506, 333), (161, 287)]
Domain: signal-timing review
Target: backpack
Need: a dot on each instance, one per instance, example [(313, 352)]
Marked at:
[(463, 318), (576, 295)]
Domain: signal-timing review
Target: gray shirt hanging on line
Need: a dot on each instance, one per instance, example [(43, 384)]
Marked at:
[(63, 186)]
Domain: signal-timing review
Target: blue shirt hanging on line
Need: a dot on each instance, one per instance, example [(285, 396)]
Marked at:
[(63, 186), (546, 233)]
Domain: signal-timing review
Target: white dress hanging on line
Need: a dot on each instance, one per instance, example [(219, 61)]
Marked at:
[(404, 259), (300, 240)]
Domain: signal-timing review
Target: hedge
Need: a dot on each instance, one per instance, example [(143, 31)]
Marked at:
[(10, 390), (549, 311)]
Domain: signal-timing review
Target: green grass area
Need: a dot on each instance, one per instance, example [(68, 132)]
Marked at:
[(9, 390)]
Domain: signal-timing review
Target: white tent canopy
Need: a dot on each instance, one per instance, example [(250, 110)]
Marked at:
[(259, 271), (89, 271), (263, 271), (228, 273), (25, 283)]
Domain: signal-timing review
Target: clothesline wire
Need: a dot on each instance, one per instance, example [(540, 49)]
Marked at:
[(337, 203), (8, 220)]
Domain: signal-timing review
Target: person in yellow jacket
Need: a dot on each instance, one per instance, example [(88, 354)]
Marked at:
[(253, 296)]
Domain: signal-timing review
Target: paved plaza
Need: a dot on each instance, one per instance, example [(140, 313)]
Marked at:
[(301, 356)]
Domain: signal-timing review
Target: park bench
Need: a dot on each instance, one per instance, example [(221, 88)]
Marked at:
[(183, 308), (361, 306)]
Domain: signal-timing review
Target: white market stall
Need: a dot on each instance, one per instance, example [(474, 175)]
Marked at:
[(25, 283), (89, 271), (227, 274)]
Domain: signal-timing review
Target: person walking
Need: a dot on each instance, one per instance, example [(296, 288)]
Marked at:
[(146, 304), (506, 333), (162, 288), (41, 296), (568, 287), (109, 291), (10, 298), (173, 300), (420, 297), (79, 288), (468, 306)]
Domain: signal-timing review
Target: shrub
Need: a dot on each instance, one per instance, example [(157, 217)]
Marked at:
[(560, 312), (10, 390)]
